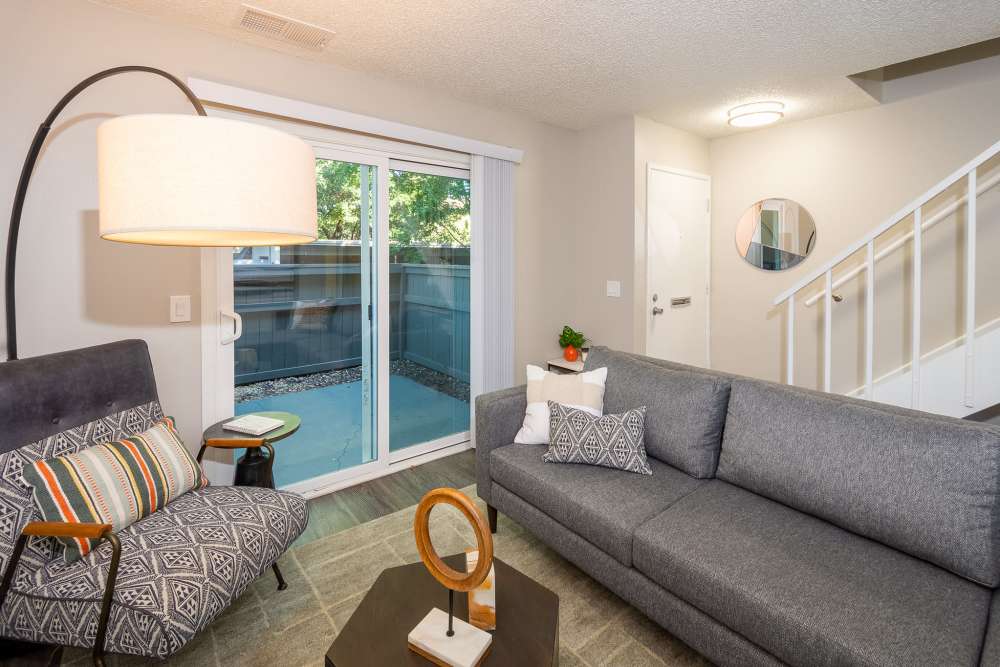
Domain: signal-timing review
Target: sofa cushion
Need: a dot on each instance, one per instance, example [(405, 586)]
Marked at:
[(805, 590), (612, 441), (602, 505), (180, 568), (685, 411), (583, 391), (925, 484)]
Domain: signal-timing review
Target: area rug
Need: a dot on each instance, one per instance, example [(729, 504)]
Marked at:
[(328, 577)]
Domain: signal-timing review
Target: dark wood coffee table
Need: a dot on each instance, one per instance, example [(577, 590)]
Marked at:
[(527, 631)]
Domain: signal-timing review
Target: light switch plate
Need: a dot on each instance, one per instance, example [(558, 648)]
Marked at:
[(180, 308), (614, 288)]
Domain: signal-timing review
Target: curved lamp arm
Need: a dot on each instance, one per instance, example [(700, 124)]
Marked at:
[(29, 166)]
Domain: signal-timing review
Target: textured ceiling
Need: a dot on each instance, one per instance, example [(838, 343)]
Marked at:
[(577, 62)]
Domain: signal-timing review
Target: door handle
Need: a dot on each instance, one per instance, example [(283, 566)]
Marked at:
[(657, 310), (237, 326)]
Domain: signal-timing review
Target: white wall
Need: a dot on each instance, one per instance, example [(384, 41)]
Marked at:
[(76, 290), (851, 171)]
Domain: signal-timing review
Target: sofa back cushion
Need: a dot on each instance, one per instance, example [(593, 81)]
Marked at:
[(921, 483), (685, 410)]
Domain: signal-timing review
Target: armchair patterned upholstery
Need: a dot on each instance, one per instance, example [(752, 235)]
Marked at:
[(179, 568)]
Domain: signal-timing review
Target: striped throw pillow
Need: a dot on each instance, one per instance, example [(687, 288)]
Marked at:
[(115, 482)]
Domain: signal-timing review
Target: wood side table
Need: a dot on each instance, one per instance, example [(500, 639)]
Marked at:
[(253, 468), (527, 631), (563, 367)]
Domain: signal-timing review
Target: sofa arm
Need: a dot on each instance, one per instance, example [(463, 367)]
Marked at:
[(499, 416)]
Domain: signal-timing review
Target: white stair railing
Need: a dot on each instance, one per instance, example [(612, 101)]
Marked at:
[(915, 210)]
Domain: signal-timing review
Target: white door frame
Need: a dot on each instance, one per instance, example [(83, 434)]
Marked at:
[(650, 168), (217, 278)]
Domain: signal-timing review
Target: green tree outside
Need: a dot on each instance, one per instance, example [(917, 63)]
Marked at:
[(423, 209)]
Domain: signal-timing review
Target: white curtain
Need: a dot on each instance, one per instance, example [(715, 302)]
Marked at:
[(492, 317)]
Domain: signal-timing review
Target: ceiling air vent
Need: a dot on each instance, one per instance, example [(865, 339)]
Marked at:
[(291, 31)]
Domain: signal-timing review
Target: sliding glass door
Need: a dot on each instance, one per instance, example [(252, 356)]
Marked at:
[(429, 257), (364, 334), (309, 344)]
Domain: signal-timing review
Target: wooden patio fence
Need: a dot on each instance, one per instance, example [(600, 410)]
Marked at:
[(304, 315)]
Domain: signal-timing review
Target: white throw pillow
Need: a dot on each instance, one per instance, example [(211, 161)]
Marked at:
[(584, 391)]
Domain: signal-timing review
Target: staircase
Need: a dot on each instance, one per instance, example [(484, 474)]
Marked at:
[(960, 377)]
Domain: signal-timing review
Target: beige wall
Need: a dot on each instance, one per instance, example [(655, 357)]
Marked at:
[(598, 234), (76, 290), (580, 198), (609, 229), (851, 171), (663, 145)]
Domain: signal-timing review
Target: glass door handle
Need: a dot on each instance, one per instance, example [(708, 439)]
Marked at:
[(237, 326)]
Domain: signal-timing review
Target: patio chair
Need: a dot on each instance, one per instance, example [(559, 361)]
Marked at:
[(150, 588)]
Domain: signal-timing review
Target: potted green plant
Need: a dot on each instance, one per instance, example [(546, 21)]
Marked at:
[(571, 341)]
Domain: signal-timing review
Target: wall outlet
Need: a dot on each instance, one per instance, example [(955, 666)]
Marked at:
[(180, 308), (614, 288)]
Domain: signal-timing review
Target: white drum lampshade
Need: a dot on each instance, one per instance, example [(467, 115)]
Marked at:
[(201, 181)]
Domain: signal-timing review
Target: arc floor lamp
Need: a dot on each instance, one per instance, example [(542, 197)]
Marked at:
[(166, 179), (184, 181)]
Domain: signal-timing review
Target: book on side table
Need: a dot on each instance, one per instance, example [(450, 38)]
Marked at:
[(253, 425)]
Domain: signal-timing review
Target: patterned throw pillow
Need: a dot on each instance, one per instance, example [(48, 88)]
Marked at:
[(612, 441), (115, 482)]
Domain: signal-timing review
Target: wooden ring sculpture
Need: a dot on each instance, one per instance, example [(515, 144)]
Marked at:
[(449, 578)]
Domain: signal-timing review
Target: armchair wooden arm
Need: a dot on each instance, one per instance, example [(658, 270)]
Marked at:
[(90, 531)]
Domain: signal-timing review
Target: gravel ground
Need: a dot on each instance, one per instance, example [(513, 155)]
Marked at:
[(430, 378)]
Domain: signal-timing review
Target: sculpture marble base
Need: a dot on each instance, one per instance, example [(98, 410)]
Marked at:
[(466, 648)]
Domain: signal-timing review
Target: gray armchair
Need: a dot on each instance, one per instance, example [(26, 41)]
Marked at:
[(150, 588)]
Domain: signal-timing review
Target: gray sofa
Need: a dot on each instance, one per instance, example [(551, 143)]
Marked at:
[(780, 525)]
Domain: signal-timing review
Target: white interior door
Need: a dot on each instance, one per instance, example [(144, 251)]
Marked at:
[(677, 265)]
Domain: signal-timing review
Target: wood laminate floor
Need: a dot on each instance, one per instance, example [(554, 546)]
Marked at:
[(376, 498)]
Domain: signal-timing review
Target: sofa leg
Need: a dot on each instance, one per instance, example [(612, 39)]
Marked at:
[(277, 573), (491, 514)]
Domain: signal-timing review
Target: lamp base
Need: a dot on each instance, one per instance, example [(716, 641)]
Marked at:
[(466, 648)]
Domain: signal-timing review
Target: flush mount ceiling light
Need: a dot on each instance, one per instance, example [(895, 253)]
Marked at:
[(756, 114)]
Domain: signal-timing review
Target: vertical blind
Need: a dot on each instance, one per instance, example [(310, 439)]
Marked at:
[(492, 183)]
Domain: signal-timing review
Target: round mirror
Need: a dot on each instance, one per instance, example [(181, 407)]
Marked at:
[(775, 234)]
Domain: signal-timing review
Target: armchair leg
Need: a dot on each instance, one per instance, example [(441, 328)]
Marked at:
[(8, 575), (109, 590), (277, 573), (491, 514)]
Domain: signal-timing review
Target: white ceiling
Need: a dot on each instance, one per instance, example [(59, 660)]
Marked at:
[(576, 62)]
